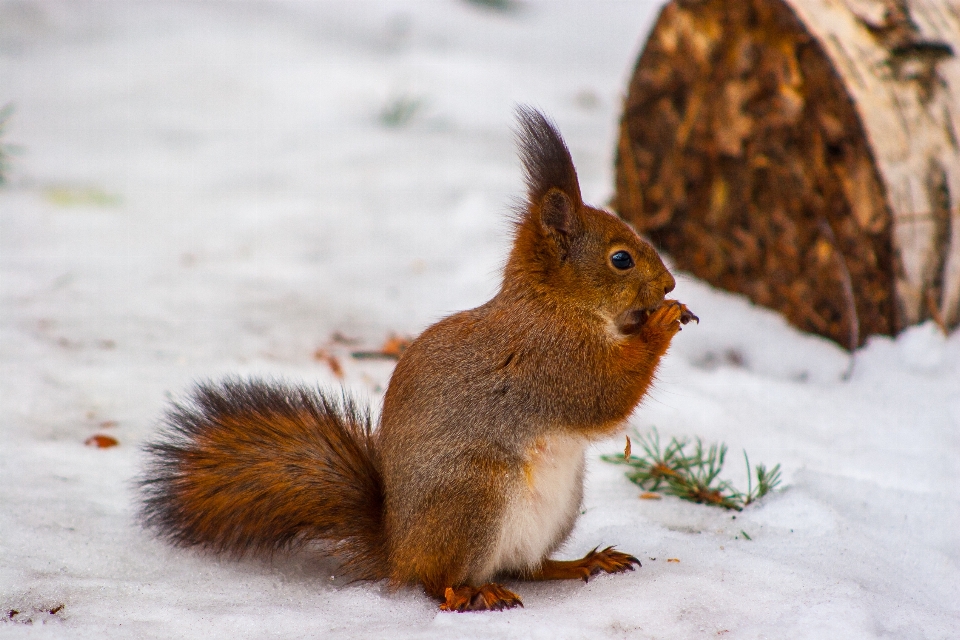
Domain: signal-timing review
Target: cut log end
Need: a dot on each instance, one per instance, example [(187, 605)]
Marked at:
[(742, 154)]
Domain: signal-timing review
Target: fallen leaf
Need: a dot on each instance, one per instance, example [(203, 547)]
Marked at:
[(107, 424), (673, 559), (101, 441), (331, 361), (649, 495), (626, 450), (335, 367), (395, 345)]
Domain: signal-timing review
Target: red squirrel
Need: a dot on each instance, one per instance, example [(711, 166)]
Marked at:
[(475, 471)]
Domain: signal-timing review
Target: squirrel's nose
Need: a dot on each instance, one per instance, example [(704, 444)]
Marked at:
[(669, 284)]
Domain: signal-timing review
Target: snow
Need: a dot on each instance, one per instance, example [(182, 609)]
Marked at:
[(211, 189)]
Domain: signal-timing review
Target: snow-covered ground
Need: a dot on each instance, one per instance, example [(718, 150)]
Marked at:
[(207, 189)]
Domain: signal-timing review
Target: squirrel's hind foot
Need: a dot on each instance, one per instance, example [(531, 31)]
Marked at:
[(489, 597)]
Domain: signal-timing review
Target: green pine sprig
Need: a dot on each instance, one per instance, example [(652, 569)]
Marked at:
[(693, 474)]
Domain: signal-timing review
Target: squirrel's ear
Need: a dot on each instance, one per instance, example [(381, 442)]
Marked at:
[(558, 215)]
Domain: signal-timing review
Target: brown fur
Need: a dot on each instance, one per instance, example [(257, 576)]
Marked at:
[(258, 467), (567, 347)]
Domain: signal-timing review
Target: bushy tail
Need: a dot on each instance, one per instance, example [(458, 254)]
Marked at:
[(255, 467)]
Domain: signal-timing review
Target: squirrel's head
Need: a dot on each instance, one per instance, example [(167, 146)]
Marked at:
[(571, 251)]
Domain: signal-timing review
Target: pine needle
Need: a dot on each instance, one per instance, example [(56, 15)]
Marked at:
[(693, 475)]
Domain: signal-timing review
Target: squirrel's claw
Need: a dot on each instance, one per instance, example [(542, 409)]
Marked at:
[(686, 316), (608, 561)]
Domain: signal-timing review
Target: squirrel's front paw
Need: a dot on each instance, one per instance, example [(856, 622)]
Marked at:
[(666, 318), (665, 321)]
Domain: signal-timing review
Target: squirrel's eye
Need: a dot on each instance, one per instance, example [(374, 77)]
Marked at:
[(621, 260)]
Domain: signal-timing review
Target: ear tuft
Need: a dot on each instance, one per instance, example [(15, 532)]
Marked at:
[(546, 160), (558, 214)]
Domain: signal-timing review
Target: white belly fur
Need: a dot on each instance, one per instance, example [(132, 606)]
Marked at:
[(543, 510)]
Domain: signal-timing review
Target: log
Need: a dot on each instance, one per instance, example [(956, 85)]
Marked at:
[(804, 153)]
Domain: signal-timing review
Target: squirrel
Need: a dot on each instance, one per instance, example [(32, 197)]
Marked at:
[(475, 471)]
